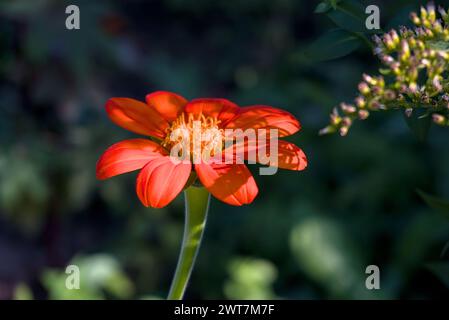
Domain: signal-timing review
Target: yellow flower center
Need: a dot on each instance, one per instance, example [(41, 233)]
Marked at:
[(194, 137)]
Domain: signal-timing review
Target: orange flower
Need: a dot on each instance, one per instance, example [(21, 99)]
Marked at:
[(161, 179)]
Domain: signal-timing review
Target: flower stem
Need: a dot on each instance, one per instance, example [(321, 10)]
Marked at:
[(196, 208)]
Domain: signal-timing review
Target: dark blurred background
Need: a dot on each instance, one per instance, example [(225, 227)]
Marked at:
[(308, 235)]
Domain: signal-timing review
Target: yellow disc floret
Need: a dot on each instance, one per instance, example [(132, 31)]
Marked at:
[(194, 137)]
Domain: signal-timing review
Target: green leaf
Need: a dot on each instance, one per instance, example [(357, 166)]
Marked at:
[(439, 204), (445, 249), (384, 71), (316, 236), (439, 45), (350, 16), (100, 274), (23, 292), (441, 270), (333, 3), (323, 7), (331, 45), (419, 122), (250, 278)]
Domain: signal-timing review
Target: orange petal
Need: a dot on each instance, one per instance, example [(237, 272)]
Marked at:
[(289, 156), (221, 109), (161, 180), (168, 104), (126, 156), (136, 116), (233, 184), (265, 117)]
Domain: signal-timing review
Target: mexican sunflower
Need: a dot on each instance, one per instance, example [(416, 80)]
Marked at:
[(160, 179)]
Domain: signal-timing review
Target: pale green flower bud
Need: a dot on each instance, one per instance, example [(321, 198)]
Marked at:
[(344, 131), (408, 112), (439, 119), (415, 19), (363, 114), (363, 88), (360, 102), (347, 108)]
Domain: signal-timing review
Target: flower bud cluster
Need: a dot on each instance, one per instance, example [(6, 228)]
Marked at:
[(414, 73)]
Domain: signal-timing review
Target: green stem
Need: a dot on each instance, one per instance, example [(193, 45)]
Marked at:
[(197, 205)]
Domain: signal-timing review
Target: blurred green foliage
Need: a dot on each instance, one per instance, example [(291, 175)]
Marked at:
[(100, 276), (308, 235), (250, 279)]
